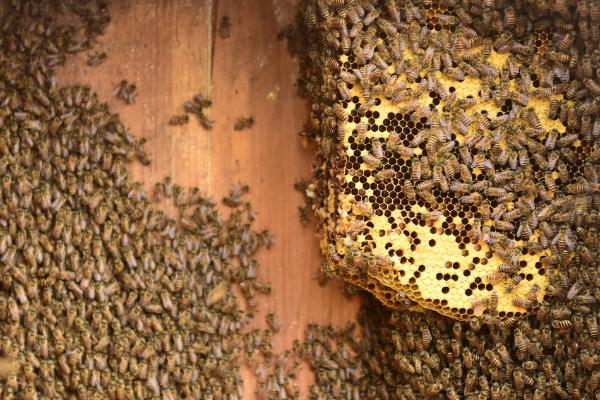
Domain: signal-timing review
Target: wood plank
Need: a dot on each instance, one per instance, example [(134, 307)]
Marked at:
[(254, 75), (164, 47)]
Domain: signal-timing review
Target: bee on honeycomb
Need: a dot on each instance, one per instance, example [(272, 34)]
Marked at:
[(452, 152)]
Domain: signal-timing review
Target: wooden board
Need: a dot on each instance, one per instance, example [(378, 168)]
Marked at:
[(170, 51)]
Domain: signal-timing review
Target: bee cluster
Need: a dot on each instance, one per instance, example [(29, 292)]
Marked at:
[(102, 294), (457, 171), (423, 355), (458, 149)]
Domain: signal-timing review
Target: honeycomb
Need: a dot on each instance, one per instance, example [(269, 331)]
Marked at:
[(408, 221)]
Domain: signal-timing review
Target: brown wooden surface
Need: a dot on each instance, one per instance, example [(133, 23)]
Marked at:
[(166, 48)]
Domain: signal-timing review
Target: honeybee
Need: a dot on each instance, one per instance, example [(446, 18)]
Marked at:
[(362, 208), (344, 92), (393, 10), (377, 148), (591, 323), (363, 108), (472, 198), (179, 119), (385, 174), (415, 169), (592, 86), (372, 161), (362, 130), (479, 304), (516, 280), (431, 217), (409, 190)]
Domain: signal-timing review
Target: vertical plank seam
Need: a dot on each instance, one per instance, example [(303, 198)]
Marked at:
[(209, 68)]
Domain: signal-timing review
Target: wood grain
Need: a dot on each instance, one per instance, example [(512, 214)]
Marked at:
[(169, 50)]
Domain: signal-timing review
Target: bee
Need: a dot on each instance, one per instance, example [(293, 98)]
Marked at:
[(465, 20), (393, 11), (559, 57), (592, 86), (96, 59), (479, 304), (573, 291), (493, 358), (580, 186), (362, 130), (405, 365), (372, 161), (179, 119), (126, 92), (344, 92), (273, 323), (386, 26), (311, 17), (592, 325), (385, 174), (472, 198), (397, 341), (567, 140), (393, 141), (357, 27), (486, 48), (522, 303), (367, 106), (561, 324), (377, 149), (587, 68), (516, 280), (563, 174), (362, 208), (409, 190)]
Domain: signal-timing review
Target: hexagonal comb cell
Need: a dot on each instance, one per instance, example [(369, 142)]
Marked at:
[(443, 179)]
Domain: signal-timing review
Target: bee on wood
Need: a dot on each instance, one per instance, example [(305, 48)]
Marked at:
[(362, 208), (224, 27), (96, 59), (126, 92), (179, 119), (243, 123), (409, 190), (273, 323)]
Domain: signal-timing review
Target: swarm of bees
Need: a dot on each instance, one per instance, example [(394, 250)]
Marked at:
[(102, 294), (421, 355), (457, 170)]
